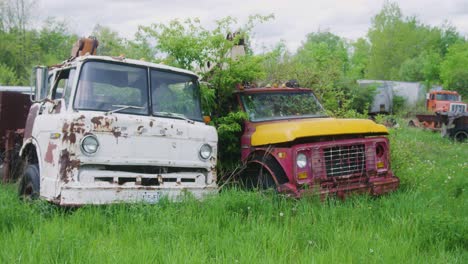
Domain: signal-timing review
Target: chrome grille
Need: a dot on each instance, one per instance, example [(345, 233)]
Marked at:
[(345, 160)]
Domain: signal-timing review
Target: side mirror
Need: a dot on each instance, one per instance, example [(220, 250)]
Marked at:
[(40, 82)]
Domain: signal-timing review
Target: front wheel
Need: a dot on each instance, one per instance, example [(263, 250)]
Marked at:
[(30, 184), (461, 136), (256, 176)]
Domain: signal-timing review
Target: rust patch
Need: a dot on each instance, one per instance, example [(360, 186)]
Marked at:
[(116, 132), (97, 121), (67, 165), (65, 127), (140, 129), (33, 111), (102, 123), (49, 156), (58, 107), (151, 123), (70, 130)]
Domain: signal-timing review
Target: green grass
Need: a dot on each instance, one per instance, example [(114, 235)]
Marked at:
[(426, 221)]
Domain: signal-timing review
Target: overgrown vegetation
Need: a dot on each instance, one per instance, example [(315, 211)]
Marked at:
[(425, 220)]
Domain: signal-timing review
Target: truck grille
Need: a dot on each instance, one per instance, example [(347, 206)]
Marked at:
[(460, 108), (345, 160)]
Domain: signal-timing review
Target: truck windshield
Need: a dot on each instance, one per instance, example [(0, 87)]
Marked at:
[(175, 95), (447, 97), (106, 87), (112, 87), (281, 105)]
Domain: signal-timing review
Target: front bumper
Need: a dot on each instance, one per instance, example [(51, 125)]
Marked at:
[(374, 186), (76, 196)]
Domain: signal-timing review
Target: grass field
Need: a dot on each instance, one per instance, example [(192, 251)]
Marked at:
[(426, 221)]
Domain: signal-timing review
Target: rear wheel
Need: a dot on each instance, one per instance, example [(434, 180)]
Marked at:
[(29, 184)]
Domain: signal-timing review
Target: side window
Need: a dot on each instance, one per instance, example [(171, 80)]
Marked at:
[(69, 86), (63, 85)]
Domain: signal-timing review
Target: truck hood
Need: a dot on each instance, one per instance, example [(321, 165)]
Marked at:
[(287, 131), (140, 140)]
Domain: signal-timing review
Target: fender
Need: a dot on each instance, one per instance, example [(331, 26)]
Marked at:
[(266, 167), (32, 141)]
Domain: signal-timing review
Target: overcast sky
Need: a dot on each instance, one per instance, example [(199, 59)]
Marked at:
[(293, 18)]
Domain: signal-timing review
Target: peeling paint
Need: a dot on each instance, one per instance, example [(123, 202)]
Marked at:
[(70, 130), (140, 129), (67, 165), (49, 157), (97, 121), (58, 107), (117, 133)]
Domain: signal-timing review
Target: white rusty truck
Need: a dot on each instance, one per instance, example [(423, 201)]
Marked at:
[(110, 129)]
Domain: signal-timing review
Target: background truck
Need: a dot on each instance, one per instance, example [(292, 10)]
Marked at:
[(448, 115), (288, 143), (109, 129)]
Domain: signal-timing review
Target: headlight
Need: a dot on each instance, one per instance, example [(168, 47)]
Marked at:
[(89, 144), (205, 151), (301, 160)]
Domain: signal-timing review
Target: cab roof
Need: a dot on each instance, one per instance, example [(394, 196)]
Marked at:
[(122, 60)]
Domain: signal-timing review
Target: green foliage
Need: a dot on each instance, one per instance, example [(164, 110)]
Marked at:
[(362, 97), (7, 76), (359, 59), (208, 98), (110, 44), (229, 133), (396, 41), (399, 103), (454, 69)]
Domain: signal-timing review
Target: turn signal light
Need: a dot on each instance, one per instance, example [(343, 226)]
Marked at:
[(302, 175), (380, 165)]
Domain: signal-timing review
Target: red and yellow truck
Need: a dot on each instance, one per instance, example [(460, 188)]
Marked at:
[(291, 145)]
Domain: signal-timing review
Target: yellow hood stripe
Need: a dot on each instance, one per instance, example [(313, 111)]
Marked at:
[(279, 132)]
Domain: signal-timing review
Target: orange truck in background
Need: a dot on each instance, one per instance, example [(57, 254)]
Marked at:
[(449, 116), (445, 101)]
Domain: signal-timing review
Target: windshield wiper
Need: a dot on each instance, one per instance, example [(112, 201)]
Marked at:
[(174, 115), (123, 107)]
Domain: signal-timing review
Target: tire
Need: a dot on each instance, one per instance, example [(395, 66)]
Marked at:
[(29, 186), (460, 136)]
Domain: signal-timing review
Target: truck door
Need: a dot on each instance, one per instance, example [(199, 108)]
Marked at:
[(48, 128)]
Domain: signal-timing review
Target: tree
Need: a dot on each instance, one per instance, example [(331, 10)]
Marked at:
[(55, 41), (7, 76), (187, 44), (359, 59), (396, 39), (110, 43), (454, 69), (321, 63)]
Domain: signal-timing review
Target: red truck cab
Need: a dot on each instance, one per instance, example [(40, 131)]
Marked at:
[(445, 101), (291, 145)]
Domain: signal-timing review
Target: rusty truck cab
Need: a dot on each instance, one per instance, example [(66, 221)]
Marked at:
[(290, 144), (445, 101), (117, 130)]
